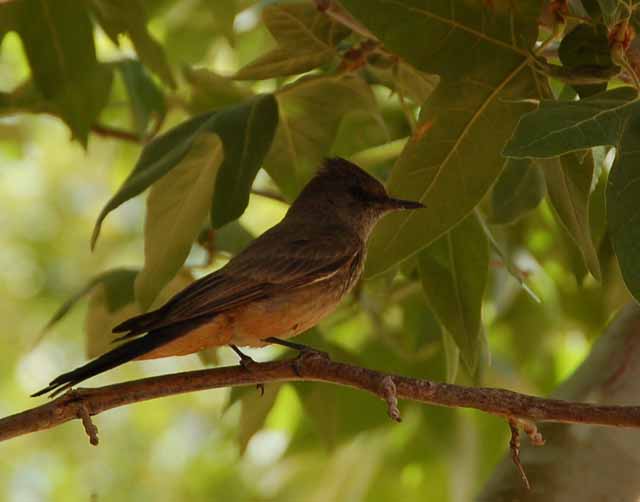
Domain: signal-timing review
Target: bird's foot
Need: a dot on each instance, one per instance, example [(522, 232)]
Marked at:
[(247, 363), (304, 352)]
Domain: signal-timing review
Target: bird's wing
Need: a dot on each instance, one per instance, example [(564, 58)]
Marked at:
[(274, 262)]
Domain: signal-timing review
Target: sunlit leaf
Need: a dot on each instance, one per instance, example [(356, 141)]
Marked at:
[(519, 190), (210, 90), (128, 17), (177, 206), (454, 271), (306, 39), (311, 110), (58, 42)]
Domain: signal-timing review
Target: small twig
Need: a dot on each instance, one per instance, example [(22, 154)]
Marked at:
[(89, 427), (388, 392), (113, 132), (514, 446)]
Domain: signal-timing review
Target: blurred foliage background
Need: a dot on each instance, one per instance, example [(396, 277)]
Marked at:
[(61, 160)]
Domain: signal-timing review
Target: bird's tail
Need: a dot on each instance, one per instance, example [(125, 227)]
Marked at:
[(120, 355)]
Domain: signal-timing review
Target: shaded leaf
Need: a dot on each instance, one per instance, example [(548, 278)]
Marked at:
[(146, 99), (101, 317), (519, 190), (569, 188), (177, 206), (311, 110), (255, 408), (118, 287), (119, 17), (586, 45), (247, 132), (454, 271), (452, 356), (58, 43), (506, 260), (306, 39), (610, 118), (157, 158)]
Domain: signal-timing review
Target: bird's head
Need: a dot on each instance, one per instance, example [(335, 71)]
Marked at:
[(342, 190)]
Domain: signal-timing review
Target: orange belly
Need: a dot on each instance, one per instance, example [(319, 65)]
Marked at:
[(285, 316)]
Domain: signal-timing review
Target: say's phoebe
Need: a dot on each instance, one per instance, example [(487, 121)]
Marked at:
[(282, 284)]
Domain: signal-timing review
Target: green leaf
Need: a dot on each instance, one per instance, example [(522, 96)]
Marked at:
[(117, 293), (519, 190), (58, 42), (306, 39), (452, 356), (454, 156), (247, 132), (404, 79), (146, 98), (119, 17), (210, 90), (177, 206), (569, 188), (311, 110), (157, 158), (255, 409), (449, 164), (474, 38), (454, 271), (586, 45), (610, 118), (556, 128), (103, 314)]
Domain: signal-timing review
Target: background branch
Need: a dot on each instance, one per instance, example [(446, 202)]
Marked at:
[(78, 403)]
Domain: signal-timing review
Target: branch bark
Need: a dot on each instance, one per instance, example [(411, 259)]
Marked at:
[(83, 402)]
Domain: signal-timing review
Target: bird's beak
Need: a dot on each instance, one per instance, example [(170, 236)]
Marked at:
[(395, 204)]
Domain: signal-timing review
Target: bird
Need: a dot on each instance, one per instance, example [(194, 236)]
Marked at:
[(283, 283)]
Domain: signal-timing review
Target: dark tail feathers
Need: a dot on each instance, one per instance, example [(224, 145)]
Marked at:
[(120, 355), (139, 324)]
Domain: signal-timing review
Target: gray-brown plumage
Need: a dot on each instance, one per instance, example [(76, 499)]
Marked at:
[(282, 284)]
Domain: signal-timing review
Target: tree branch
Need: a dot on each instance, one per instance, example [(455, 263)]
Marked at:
[(81, 403)]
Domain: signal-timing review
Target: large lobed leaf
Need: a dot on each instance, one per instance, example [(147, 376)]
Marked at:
[(610, 118), (311, 111), (480, 51), (306, 39)]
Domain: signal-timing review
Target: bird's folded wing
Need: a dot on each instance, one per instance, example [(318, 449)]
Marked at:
[(273, 262)]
